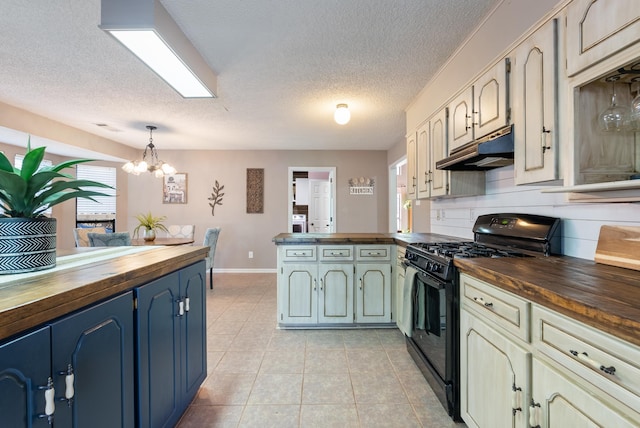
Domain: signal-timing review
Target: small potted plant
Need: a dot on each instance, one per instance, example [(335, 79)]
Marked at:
[(27, 236), (149, 223)]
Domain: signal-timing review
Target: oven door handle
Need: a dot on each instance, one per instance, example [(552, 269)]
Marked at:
[(430, 281)]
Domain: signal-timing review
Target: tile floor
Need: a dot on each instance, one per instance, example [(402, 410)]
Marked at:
[(260, 376)]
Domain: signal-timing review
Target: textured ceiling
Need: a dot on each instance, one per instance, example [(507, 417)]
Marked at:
[(282, 66)]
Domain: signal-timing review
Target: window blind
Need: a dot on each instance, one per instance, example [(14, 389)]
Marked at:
[(105, 206)]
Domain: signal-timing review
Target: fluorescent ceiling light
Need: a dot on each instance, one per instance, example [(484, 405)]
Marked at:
[(146, 29)]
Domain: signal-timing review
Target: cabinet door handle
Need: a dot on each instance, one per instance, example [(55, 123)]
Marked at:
[(321, 284), (186, 304), (360, 283), (583, 356), (314, 284), (481, 301), (543, 139), (49, 400), (69, 379), (516, 399), (534, 408), (180, 308)]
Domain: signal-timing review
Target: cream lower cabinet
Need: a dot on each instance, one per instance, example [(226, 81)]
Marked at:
[(522, 365), (494, 370), (560, 401), (317, 286), (495, 359), (373, 284)]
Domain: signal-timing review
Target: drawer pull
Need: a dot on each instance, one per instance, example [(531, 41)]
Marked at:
[(373, 253), (534, 408), (299, 254), (482, 302), (583, 356)]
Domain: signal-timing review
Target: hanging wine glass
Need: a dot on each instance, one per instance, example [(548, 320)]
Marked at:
[(614, 118), (634, 115)]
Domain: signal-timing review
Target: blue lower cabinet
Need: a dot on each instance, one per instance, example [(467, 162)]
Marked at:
[(25, 367), (171, 345), (93, 366)]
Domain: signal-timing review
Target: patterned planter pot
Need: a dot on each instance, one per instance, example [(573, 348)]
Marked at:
[(27, 244)]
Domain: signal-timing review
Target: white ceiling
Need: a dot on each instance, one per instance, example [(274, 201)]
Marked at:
[(282, 66)]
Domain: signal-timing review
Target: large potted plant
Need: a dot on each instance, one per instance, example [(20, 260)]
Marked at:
[(149, 224), (27, 236)]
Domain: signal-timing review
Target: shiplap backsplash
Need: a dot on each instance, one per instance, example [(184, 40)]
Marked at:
[(580, 221)]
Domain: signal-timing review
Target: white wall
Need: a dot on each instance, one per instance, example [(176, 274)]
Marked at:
[(580, 221)]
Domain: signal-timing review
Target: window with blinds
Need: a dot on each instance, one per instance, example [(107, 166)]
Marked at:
[(105, 206)]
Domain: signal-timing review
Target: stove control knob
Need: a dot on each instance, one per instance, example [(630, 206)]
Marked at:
[(435, 267), (428, 266)]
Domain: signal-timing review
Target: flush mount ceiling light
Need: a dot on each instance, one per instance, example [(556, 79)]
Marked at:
[(150, 161), (146, 29), (342, 114)]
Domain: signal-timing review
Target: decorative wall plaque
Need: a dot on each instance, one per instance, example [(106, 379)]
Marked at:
[(174, 189), (255, 190)]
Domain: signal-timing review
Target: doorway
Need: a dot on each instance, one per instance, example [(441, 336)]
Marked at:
[(312, 206), (400, 215)]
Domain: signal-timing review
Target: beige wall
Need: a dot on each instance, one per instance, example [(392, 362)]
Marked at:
[(242, 232)]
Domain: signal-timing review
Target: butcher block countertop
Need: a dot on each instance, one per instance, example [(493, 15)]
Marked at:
[(402, 239), (83, 277), (605, 297)]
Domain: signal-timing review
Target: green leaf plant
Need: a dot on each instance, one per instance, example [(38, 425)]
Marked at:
[(28, 192), (149, 222)]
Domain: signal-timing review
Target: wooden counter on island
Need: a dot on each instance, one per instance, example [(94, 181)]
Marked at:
[(109, 337)]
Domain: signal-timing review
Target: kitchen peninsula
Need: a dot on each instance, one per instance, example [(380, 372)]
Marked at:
[(109, 337)]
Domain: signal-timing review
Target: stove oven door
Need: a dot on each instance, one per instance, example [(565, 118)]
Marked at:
[(430, 322)]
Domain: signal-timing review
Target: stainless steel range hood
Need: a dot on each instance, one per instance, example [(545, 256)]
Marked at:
[(491, 151)]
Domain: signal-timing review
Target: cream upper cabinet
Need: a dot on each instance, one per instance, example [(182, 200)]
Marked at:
[(490, 100), (438, 148), (461, 119), (591, 37), (411, 166), (423, 162), (482, 108), (535, 77), (432, 147)]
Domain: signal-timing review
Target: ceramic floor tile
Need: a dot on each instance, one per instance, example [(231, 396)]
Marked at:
[(219, 342), (275, 388), (288, 342), (325, 340), (369, 361), (271, 416), (328, 416), (327, 389), (388, 416), (211, 417), (260, 376), (283, 361), (326, 361), (213, 358), (240, 362), (225, 389), (401, 360), (378, 388)]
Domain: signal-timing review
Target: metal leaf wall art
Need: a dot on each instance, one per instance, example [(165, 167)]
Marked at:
[(216, 197)]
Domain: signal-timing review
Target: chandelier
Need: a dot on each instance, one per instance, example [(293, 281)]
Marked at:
[(150, 161)]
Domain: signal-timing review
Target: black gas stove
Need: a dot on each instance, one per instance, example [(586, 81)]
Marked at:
[(432, 284)]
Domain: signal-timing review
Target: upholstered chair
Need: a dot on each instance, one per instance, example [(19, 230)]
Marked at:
[(117, 239), (210, 240), (80, 235), (181, 231)]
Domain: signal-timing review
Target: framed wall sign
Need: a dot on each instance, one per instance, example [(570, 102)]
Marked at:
[(174, 188)]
